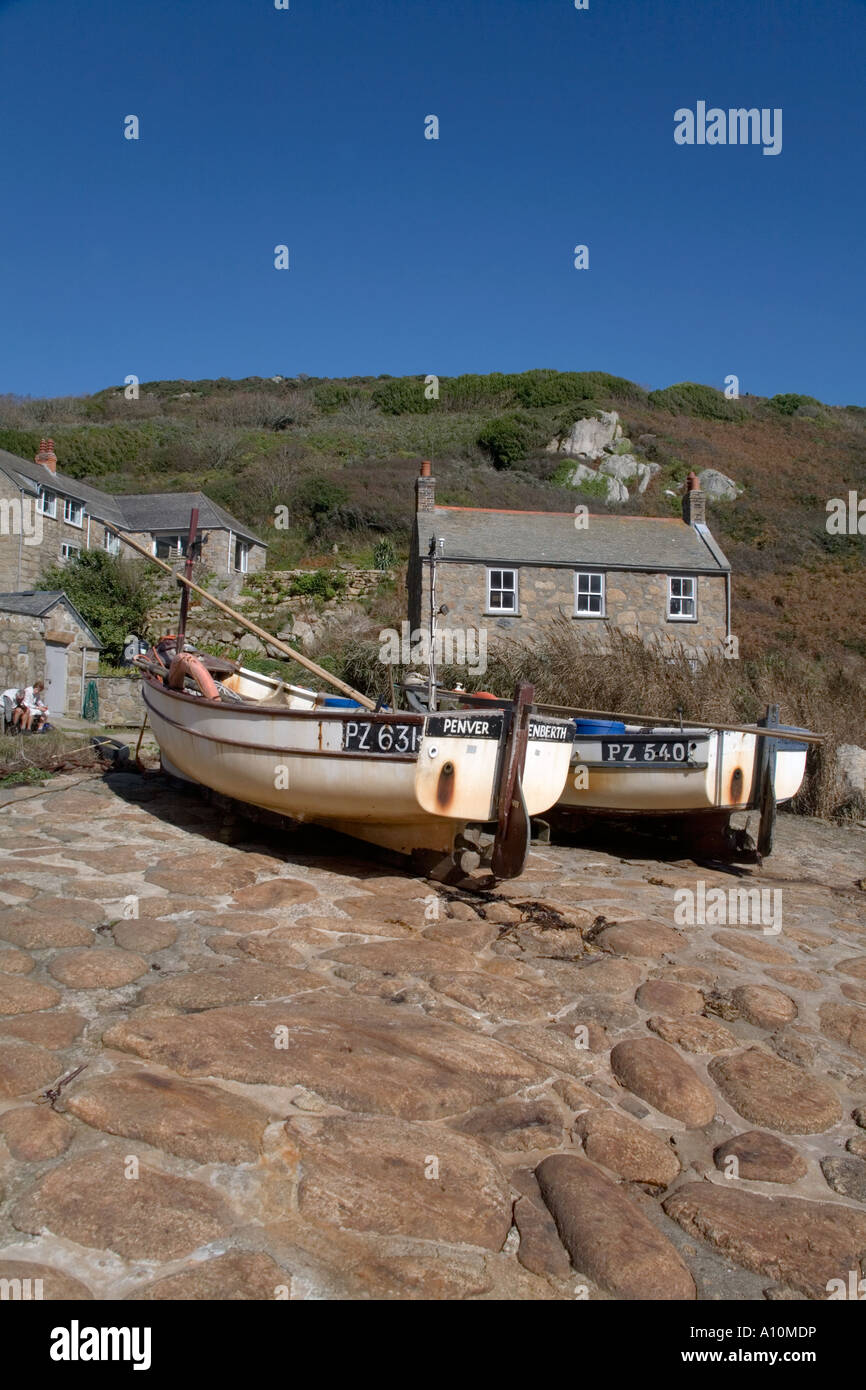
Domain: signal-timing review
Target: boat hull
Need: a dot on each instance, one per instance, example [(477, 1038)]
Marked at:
[(404, 781), (718, 773)]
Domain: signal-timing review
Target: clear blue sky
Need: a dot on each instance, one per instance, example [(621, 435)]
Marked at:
[(306, 127)]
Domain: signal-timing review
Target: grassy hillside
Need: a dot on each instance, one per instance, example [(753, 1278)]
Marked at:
[(341, 455)]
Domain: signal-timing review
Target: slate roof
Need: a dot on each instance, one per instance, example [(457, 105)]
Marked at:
[(551, 538), (154, 511), (169, 511), (36, 603), (31, 475)]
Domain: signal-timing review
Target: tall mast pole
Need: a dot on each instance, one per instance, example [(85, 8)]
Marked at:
[(431, 658), (185, 591)]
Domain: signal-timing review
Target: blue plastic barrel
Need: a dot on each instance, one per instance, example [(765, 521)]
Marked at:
[(597, 728)]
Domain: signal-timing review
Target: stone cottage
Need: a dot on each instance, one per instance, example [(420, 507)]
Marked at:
[(44, 637), (160, 521), (46, 517), (663, 579)]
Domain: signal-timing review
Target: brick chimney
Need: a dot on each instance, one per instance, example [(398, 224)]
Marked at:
[(694, 502), (46, 455), (425, 489)]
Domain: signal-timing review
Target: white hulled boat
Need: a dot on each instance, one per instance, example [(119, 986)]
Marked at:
[(663, 770), (404, 780), (697, 775)]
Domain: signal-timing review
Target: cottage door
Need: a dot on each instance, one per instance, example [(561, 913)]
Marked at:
[(56, 658)]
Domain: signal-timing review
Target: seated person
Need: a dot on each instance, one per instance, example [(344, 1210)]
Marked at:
[(36, 708), (15, 711)]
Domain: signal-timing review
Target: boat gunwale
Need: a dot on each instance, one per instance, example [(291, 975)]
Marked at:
[(352, 754), (281, 711)]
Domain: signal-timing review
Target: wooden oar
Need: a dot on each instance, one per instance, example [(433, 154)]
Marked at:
[(687, 723), (466, 696), (257, 631)]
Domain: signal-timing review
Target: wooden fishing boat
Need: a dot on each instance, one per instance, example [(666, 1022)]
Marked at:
[(633, 769), (418, 780), (660, 769), (447, 787), (410, 782)]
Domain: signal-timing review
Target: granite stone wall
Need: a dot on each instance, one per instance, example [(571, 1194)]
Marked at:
[(26, 550), (22, 650), (636, 602), (120, 702), (29, 543)]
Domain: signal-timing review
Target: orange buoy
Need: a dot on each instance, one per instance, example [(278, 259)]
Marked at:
[(185, 664)]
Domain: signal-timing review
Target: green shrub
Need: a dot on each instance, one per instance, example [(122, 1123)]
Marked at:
[(402, 396), (323, 584), (691, 398), (619, 387), (511, 438), (24, 444), (333, 396), (111, 593), (107, 668), (85, 450), (536, 391), (471, 391), (547, 388), (24, 777), (791, 403), (581, 410), (589, 487), (384, 554), (320, 499)]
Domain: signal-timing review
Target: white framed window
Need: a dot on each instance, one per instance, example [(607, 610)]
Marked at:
[(682, 598), (111, 543), (73, 512), (588, 595), (502, 591), (67, 551), (47, 502), (242, 555)]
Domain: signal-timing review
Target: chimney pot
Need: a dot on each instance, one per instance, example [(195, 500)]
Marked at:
[(425, 468), (46, 455)]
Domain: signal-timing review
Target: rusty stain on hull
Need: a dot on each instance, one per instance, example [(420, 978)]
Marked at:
[(446, 786), (736, 784)]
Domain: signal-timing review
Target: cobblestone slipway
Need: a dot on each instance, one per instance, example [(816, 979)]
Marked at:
[(301, 1074)]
